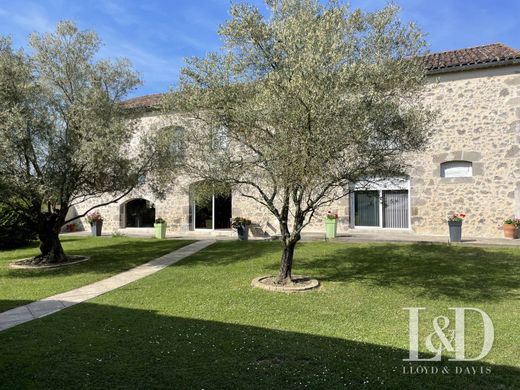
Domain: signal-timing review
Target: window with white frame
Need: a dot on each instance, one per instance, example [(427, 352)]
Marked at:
[(457, 169), (381, 203)]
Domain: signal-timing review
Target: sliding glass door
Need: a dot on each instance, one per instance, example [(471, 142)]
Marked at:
[(203, 210), (381, 208), (367, 208), (395, 209), (213, 212)]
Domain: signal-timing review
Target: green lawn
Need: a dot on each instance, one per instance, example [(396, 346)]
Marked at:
[(109, 256), (199, 324)]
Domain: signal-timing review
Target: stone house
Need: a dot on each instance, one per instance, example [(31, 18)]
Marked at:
[(471, 164)]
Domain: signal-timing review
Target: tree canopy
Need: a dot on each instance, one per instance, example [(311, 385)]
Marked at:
[(65, 137), (301, 103)]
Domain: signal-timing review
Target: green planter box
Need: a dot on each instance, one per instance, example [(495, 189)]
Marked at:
[(331, 226), (160, 230)]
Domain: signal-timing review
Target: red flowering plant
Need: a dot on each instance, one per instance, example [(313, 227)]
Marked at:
[(331, 215), (94, 217), (456, 217)]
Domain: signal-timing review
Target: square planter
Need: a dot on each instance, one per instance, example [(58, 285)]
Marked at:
[(95, 228), (331, 227), (160, 230), (243, 233), (455, 231)]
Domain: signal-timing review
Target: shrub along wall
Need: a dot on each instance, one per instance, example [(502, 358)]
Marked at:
[(15, 229)]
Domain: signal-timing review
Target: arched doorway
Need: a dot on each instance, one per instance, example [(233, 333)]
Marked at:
[(211, 212), (138, 213)]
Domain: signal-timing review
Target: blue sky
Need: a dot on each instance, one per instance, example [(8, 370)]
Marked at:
[(157, 35)]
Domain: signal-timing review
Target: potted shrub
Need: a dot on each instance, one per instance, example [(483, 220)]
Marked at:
[(331, 224), (160, 228), (242, 227), (95, 220), (510, 227), (455, 226)]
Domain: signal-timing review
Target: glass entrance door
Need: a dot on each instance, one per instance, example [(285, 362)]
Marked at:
[(222, 215), (366, 204), (381, 208), (212, 213), (203, 210), (395, 209)]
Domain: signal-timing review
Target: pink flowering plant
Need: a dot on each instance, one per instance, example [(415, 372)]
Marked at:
[(331, 215), (94, 217), (513, 221), (456, 217)]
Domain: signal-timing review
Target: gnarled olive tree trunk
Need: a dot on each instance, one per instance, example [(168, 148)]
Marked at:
[(289, 241), (49, 226), (286, 263)]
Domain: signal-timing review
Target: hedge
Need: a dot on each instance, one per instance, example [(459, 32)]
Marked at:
[(15, 229)]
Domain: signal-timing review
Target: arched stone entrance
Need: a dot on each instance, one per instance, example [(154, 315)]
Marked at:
[(137, 213)]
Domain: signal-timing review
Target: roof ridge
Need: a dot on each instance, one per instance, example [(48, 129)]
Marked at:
[(488, 55), (146, 95), (472, 48)]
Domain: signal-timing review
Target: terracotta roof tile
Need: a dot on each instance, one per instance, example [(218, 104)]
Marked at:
[(143, 102), (495, 54)]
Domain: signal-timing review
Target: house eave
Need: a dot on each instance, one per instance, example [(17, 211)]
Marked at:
[(474, 66)]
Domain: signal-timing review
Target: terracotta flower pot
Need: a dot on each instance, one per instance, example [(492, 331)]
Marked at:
[(510, 231)]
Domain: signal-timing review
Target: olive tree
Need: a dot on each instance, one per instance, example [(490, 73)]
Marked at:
[(300, 104), (64, 135)]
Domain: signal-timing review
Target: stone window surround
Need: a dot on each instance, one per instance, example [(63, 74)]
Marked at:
[(456, 168), (461, 155)]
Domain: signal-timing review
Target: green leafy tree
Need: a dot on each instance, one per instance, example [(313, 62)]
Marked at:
[(16, 229), (300, 104), (64, 136)]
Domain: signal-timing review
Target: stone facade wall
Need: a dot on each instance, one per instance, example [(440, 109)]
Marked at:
[(478, 121), (268, 225), (174, 208)]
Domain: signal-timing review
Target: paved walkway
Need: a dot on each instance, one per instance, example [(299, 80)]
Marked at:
[(58, 302), (353, 235), (410, 237)]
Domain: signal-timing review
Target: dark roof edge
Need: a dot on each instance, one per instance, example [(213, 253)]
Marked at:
[(151, 102), (474, 66)]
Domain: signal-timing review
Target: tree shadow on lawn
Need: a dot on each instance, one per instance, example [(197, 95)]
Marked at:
[(225, 253), (99, 346), (34, 244), (110, 258), (434, 271), (467, 273)]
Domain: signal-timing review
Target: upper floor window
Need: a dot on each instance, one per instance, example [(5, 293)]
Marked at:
[(219, 138), (457, 169), (176, 137)]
